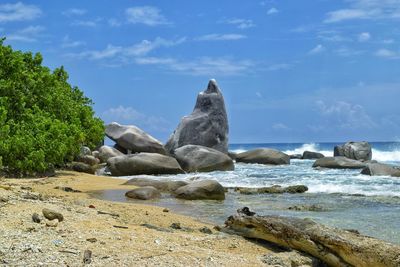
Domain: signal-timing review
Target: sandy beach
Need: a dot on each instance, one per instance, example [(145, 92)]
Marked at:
[(117, 234)]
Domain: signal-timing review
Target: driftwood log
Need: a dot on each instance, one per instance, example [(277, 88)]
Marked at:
[(335, 247)]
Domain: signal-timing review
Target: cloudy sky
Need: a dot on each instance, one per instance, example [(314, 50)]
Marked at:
[(290, 71)]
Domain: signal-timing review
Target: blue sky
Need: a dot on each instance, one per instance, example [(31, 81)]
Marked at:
[(290, 71)]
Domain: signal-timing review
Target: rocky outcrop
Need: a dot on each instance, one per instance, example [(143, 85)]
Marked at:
[(333, 246), (162, 185), (354, 150), (206, 189), (264, 156), (275, 189), (133, 139), (83, 167), (194, 158), (380, 169), (312, 155), (143, 193), (143, 163), (338, 163), (106, 152), (296, 156), (88, 159), (206, 126)]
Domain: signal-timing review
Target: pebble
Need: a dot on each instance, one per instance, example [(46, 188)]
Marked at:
[(205, 230), (36, 218), (92, 240), (165, 210), (51, 215), (176, 226), (53, 223)]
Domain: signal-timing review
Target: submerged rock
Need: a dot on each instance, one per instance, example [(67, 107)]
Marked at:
[(380, 169), (194, 158), (264, 156), (143, 193), (275, 189), (354, 150), (143, 163), (338, 163), (133, 139), (312, 155), (333, 246), (162, 185), (206, 189), (206, 126)]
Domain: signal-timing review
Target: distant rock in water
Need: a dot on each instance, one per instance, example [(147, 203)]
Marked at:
[(338, 163), (133, 139), (206, 126), (263, 156), (354, 150), (312, 155), (379, 169)]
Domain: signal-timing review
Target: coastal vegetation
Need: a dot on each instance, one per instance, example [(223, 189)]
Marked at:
[(43, 119)]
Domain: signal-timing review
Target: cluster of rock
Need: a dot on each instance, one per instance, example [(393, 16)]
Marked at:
[(151, 189)]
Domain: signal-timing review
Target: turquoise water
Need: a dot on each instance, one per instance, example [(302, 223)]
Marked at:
[(349, 200)]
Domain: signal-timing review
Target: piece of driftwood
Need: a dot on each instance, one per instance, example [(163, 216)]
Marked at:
[(87, 257), (336, 247), (119, 226), (107, 213)]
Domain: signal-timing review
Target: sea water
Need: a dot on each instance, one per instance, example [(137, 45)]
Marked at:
[(348, 199)]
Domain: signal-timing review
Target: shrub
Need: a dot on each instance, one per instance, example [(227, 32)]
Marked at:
[(43, 119)]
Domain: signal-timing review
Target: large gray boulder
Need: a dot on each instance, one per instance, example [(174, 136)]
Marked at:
[(194, 158), (106, 152), (206, 189), (354, 150), (338, 163), (143, 193), (264, 156), (312, 155), (206, 126), (133, 139), (380, 169), (143, 163), (162, 185)]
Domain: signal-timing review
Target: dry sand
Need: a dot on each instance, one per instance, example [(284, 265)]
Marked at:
[(26, 243)]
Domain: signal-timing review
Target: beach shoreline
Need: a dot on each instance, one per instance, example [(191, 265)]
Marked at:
[(124, 234)]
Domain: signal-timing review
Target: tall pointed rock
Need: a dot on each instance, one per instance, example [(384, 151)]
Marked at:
[(206, 126)]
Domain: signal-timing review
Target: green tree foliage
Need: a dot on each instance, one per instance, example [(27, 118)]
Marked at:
[(43, 120)]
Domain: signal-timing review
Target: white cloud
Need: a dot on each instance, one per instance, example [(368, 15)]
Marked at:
[(317, 50), (332, 36), (147, 15), (364, 37), (386, 53), (345, 115), (348, 52), (221, 37), (28, 34), (205, 66), (272, 11), (74, 12), (68, 43), (388, 41), (240, 23), (124, 53), (366, 9), (18, 12), (129, 115), (114, 23)]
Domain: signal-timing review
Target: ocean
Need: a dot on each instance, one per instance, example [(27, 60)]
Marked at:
[(347, 199)]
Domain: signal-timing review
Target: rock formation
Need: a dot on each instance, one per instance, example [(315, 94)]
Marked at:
[(380, 169), (143, 193), (263, 156), (338, 163), (312, 155), (143, 163), (354, 150), (106, 152), (194, 158), (206, 189), (206, 126), (162, 185), (133, 139)]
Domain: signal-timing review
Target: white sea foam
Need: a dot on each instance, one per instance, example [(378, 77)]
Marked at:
[(308, 147), (391, 156)]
